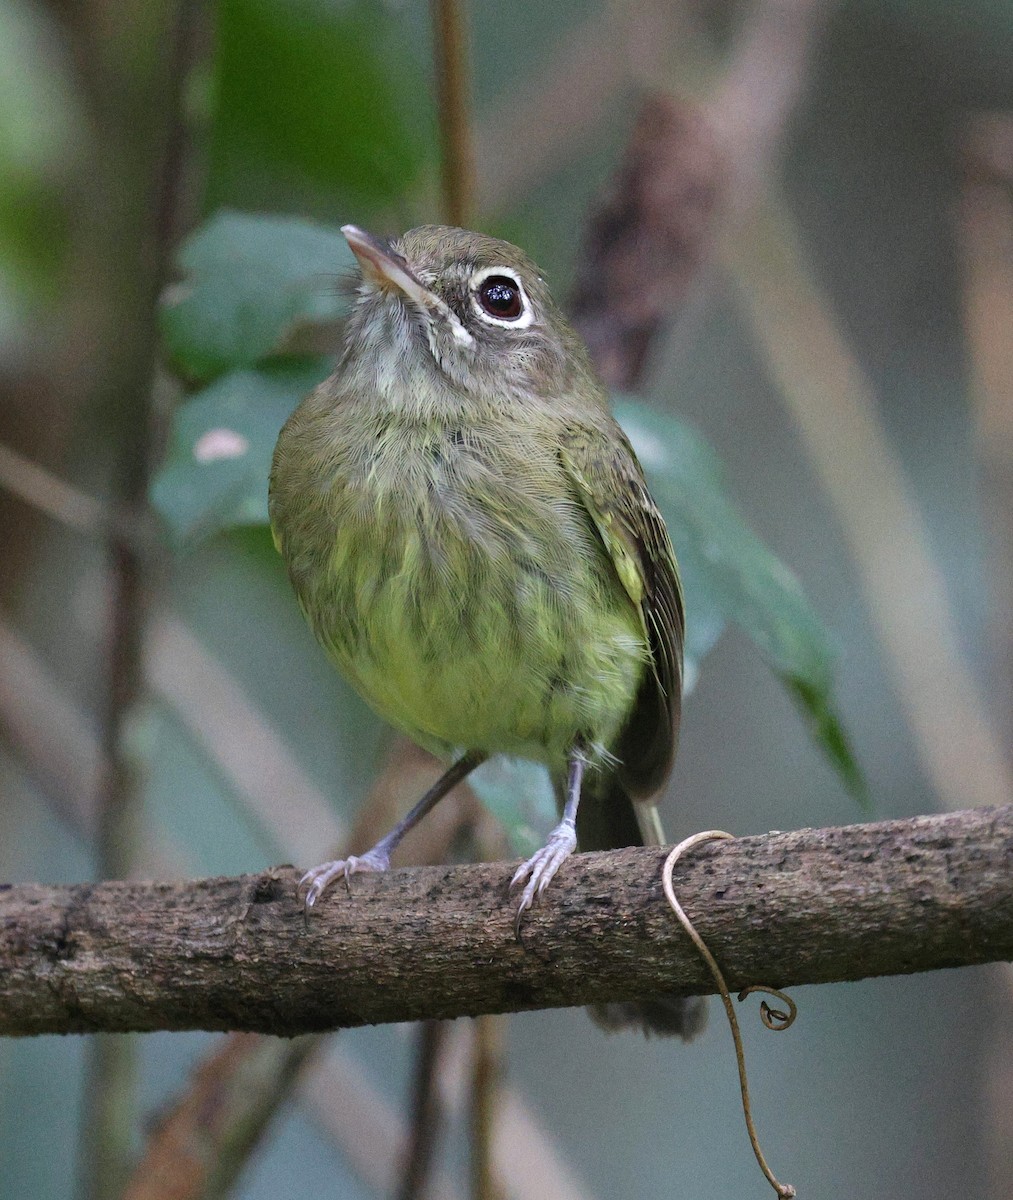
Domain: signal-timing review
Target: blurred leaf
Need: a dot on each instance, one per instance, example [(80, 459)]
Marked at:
[(41, 135), (249, 280), (215, 473), (335, 95), (730, 575), (519, 795)]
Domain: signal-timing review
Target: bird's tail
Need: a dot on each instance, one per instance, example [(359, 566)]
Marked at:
[(607, 819)]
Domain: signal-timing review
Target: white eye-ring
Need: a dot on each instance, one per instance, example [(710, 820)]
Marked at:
[(500, 299)]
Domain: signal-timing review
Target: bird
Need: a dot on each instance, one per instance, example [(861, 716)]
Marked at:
[(471, 538)]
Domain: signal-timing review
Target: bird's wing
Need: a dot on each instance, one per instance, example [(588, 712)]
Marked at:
[(611, 486)]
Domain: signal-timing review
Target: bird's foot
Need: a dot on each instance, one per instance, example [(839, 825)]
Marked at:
[(315, 882), (541, 867)]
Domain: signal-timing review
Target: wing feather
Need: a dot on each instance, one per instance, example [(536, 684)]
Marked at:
[(611, 485)]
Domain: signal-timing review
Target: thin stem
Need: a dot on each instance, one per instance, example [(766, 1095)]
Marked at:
[(986, 237), (486, 1074), (450, 39), (44, 491), (427, 1111), (142, 62)]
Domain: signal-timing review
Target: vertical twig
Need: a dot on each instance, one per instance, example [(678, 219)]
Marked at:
[(450, 38), (486, 1074), (427, 1111), (138, 92), (133, 559), (986, 235), (485, 1096)]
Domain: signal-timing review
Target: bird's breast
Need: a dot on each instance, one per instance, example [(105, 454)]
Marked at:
[(464, 590)]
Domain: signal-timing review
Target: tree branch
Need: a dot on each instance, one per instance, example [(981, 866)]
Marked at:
[(457, 154), (814, 906)]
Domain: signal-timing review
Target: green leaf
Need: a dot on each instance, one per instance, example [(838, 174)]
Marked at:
[(330, 101), (215, 474), (248, 281), (519, 795), (730, 575), (42, 137)]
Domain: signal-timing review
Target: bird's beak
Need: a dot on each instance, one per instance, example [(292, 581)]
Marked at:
[(385, 269)]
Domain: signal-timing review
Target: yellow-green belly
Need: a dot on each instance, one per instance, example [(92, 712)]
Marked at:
[(471, 614), (501, 659), (459, 582)]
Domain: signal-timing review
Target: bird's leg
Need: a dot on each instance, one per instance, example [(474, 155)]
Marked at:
[(540, 868), (319, 878)]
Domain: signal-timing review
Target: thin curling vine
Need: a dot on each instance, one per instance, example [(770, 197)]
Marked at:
[(775, 1019)]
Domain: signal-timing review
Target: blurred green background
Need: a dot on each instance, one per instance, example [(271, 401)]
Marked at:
[(866, 437)]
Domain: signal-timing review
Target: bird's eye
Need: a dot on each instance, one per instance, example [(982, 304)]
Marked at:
[(501, 297)]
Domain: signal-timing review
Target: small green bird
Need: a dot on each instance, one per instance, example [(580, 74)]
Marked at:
[(471, 539)]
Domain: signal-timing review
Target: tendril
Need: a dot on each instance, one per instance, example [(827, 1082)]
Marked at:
[(772, 1018)]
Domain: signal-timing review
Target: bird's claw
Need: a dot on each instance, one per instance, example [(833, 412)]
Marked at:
[(316, 881), (540, 869)]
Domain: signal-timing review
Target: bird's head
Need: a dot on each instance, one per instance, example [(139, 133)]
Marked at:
[(471, 307)]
